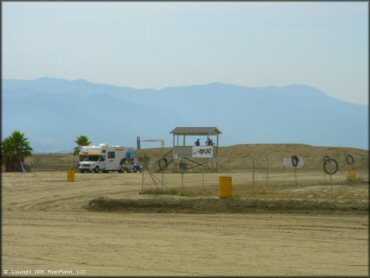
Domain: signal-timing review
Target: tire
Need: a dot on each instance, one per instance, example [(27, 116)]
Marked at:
[(349, 159), (330, 166), (105, 171), (97, 170), (82, 171), (295, 161), (162, 163), (183, 165), (326, 157)]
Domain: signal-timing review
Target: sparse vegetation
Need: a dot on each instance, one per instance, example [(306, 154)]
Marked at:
[(14, 149), (81, 141)]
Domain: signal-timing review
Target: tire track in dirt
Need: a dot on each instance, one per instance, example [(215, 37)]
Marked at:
[(44, 194), (74, 202), (46, 227)]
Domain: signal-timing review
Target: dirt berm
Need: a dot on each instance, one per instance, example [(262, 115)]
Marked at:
[(182, 204)]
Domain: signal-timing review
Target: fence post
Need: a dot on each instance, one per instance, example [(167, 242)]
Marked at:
[(142, 181), (267, 171), (182, 183), (295, 175), (253, 170)]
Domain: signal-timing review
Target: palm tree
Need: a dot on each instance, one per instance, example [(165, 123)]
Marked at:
[(13, 151), (81, 141)]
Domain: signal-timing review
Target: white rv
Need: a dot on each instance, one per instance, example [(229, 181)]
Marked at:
[(104, 158)]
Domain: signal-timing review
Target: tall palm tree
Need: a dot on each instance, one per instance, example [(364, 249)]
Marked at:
[(81, 141), (13, 151)]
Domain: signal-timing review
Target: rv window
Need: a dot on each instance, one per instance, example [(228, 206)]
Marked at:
[(101, 158), (91, 158), (111, 154)]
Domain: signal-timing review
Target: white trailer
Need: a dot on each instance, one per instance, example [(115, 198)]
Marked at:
[(104, 158)]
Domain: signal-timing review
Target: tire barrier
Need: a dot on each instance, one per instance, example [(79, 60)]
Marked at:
[(162, 163), (295, 161), (330, 166), (183, 164), (326, 157), (349, 159)]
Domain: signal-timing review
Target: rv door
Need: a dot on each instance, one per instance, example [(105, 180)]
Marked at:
[(101, 162), (110, 162)]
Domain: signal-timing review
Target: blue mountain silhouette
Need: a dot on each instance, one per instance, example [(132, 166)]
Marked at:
[(53, 112)]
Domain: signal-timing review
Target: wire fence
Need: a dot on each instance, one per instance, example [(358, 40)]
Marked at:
[(251, 175), (181, 182)]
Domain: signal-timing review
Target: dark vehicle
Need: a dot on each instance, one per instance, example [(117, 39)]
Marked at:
[(131, 168)]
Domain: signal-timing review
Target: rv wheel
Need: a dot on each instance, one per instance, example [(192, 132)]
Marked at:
[(97, 170), (82, 171)]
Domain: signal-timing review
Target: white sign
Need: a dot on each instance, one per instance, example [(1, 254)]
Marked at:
[(287, 162), (203, 152)]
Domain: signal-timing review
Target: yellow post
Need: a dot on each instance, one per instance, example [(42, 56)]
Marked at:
[(71, 175), (226, 187), (352, 175)]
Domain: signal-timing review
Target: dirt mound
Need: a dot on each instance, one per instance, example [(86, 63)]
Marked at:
[(234, 158), (180, 204)]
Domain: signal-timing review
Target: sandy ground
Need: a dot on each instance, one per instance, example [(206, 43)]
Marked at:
[(45, 230)]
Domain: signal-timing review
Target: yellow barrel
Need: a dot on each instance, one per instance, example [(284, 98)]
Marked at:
[(352, 175), (71, 175), (226, 187)]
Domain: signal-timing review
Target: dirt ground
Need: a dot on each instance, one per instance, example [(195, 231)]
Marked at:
[(46, 230)]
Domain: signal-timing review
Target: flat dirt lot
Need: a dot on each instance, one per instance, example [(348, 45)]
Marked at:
[(45, 229)]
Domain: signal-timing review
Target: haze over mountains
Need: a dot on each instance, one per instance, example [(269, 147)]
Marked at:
[(53, 112)]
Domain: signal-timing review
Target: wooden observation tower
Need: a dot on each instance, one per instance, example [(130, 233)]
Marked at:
[(191, 143)]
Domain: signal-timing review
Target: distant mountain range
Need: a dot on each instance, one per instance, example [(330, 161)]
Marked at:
[(53, 112)]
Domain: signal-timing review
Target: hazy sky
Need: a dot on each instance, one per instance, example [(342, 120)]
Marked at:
[(161, 44)]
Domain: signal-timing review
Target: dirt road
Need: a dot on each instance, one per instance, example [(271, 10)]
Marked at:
[(46, 231)]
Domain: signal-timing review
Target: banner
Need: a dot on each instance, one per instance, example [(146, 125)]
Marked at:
[(203, 152)]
